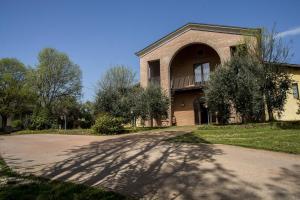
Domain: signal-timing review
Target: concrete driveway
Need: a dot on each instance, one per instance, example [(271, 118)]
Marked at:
[(145, 166)]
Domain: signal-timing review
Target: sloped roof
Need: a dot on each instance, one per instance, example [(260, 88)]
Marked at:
[(201, 27)]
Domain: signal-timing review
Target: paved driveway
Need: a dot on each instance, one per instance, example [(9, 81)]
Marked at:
[(146, 166)]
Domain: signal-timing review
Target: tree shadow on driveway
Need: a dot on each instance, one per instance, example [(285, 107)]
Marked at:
[(148, 166)]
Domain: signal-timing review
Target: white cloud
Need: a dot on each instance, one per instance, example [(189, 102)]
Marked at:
[(294, 31)]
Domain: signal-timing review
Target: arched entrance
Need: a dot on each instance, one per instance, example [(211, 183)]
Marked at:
[(201, 112), (190, 70)]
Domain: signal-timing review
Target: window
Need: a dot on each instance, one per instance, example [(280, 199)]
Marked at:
[(206, 71), (295, 90), (154, 72), (201, 72)]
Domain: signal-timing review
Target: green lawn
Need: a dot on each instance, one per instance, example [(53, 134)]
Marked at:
[(284, 137), (82, 131), (14, 186)]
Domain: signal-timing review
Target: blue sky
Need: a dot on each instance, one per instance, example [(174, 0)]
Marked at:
[(99, 34)]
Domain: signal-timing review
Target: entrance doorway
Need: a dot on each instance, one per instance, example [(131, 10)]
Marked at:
[(200, 111)]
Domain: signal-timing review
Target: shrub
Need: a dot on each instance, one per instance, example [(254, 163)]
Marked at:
[(42, 119), (107, 124), (17, 124)]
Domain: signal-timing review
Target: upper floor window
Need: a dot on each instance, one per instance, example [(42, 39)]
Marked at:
[(154, 72), (295, 90), (201, 72)]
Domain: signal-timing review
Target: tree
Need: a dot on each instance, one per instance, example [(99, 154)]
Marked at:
[(57, 77), (15, 91), (67, 111), (55, 80), (217, 95), (114, 93), (119, 96), (152, 104), (271, 53), (252, 80), (237, 84), (87, 111)]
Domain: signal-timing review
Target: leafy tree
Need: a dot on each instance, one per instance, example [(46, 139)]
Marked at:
[(246, 93), (114, 95), (271, 53), (119, 96), (57, 77), (218, 98), (57, 81), (153, 104), (67, 111), (119, 78), (87, 114), (252, 79), (15, 91), (237, 84)]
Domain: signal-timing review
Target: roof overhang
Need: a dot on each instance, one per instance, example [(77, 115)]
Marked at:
[(201, 27)]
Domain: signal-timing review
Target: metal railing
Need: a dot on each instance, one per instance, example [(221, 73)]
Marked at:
[(186, 82)]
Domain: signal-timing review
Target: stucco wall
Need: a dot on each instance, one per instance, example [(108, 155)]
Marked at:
[(291, 106)]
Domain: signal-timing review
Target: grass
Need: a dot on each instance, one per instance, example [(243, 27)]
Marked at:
[(81, 131), (281, 136), (56, 131), (14, 186)]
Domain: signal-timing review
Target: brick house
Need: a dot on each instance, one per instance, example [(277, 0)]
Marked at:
[(182, 61)]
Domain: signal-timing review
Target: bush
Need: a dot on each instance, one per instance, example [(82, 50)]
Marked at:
[(42, 119), (107, 124), (17, 124)]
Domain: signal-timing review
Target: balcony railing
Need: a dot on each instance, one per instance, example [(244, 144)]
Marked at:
[(186, 82)]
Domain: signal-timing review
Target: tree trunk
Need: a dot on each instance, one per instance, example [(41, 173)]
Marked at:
[(4, 121), (151, 121), (270, 113)]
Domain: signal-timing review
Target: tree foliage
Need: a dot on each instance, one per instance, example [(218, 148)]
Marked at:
[(272, 53), (57, 83), (120, 96), (237, 84), (115, 92), (252, 80), (56, 77), (152, 103), (218, 98), (15, 90)]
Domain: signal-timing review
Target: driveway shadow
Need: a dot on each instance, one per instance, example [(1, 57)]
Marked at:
[(148, 166)]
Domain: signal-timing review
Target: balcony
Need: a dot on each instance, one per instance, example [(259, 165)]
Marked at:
[(186, 83)]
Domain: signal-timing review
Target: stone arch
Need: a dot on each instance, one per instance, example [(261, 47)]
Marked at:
[(213, 52), (177, 50)]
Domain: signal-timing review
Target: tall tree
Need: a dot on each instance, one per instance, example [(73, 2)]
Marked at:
[(237, 84), (253, 79), (114, 92), (15, 91), (272, 52), (217, 95), (56, 77)]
